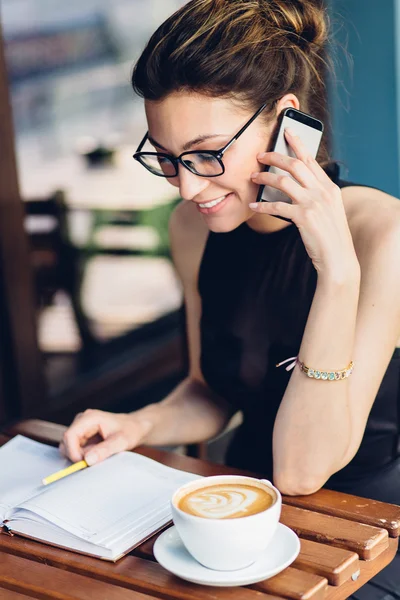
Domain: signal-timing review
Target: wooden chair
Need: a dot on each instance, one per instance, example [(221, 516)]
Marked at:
[(55, 261)]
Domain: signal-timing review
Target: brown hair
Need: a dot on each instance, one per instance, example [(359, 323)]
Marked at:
[(254, 51)]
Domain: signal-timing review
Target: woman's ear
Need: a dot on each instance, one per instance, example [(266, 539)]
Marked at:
[(287, 101)]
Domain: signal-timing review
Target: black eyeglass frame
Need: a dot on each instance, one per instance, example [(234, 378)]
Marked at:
[(218, 154)]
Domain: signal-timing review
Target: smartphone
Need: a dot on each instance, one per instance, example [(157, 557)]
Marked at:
[(308, 129)]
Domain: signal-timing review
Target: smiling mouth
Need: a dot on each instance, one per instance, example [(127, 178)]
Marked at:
[(213, 202)]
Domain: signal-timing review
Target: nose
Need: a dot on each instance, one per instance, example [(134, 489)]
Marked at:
[(190, 185)]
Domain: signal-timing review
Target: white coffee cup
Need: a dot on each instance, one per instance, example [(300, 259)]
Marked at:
[(230, 543)]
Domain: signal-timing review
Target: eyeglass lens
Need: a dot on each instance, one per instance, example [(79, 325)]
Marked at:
[(201, 163), (159, 165)]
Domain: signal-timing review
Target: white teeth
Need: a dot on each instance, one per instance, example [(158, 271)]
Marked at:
[(212, 203)]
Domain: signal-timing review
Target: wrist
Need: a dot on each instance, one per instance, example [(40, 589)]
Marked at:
[(345, 277), (146, 420)]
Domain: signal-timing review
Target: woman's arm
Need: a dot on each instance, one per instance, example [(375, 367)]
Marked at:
[(192, 412), (320, 424), (313, 426)]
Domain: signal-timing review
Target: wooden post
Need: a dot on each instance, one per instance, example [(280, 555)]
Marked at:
[(22, 382)]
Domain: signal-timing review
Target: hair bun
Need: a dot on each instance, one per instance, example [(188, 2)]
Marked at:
[(302, 22)]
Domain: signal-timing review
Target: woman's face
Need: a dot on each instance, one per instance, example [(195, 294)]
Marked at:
[(182, 118)]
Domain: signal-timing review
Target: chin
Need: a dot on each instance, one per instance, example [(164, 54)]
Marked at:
[(224, 225)]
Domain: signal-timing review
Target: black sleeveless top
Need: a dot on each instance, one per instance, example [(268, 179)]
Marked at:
[(256, 292)]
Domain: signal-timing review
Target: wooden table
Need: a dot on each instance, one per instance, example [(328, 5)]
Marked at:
[(345, 541)]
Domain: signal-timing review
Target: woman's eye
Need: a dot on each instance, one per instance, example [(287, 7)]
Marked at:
[(206, 157)]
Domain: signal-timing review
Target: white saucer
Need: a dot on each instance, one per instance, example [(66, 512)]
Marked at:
[(173, 556)]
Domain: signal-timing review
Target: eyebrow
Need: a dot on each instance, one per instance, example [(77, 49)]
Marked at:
[(195, 142)]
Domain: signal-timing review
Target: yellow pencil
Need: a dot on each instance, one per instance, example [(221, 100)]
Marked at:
[(64, 472)]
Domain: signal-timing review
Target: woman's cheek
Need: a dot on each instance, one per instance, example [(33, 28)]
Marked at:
[(241, 170)]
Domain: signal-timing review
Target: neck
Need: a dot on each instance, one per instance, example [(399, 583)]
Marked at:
[(266, 223)]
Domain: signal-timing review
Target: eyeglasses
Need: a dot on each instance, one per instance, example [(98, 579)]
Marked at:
[(206, 163)]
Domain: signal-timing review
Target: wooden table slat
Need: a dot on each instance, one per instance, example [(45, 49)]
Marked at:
[(368, 570), (367, 541), (353, 508), (336, 564), (45, 582), (10, 595), (294, 584), (43, 431), (130, 572), (3, 439), (146, 549)]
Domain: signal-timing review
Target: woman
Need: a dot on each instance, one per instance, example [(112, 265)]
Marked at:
[(320, 282)]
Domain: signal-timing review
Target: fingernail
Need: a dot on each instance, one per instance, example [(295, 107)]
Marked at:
[(91, 458), (254, 175), (290, 131), (261, 154), (254, 205)]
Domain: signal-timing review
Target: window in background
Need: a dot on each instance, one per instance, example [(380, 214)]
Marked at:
[(77, 124)]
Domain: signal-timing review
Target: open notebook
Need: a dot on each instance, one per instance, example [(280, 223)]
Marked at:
[(105, 510)]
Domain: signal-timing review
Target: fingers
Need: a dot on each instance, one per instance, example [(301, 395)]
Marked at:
[(302, 153), (294, 166), (280, 209), (116, 442), (283, 183), (96, 435), (84, 427), (304, 168)]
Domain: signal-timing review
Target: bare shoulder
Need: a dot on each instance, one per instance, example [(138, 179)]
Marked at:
[(188, 236), (374, 220)]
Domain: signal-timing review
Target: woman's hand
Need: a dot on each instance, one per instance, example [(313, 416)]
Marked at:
[(95, 435), (317, 208)]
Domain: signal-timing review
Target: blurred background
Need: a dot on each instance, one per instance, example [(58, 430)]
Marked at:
[(108, 324), (96, 220), (77, 124)]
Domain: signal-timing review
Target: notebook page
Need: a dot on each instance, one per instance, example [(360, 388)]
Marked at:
[(63, 539), (125, 488), (23, 465)]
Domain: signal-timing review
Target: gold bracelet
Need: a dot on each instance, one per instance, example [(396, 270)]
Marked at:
[(327, 375)]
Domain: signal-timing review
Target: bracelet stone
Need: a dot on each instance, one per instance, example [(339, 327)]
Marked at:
[(327, 375)]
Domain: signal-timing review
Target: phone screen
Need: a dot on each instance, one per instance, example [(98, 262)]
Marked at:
[(309, 130)]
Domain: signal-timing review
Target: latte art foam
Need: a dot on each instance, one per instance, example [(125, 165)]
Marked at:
[(226, 501)]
